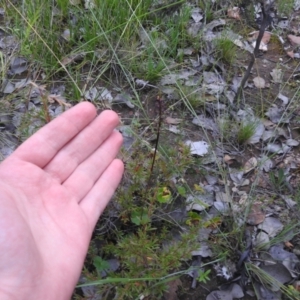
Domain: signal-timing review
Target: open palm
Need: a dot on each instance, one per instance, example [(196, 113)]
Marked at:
[(53, 189)]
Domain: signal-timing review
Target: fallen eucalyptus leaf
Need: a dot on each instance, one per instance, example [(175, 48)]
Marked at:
[(199, 202), (211, 77), (294, 40), (172, 287), (256, 216), (271, 225), (289, 202), (265, 163), (173, 121), (197, 15), (105, 95), (250, 165), (276, 148), (18, 65), (220, 196), (259, 82), (174, 129), (275, 114), (268, 135), (234, 13), (212, 25), (222, 207), (8, 87), (288, 259), (276, 75), (198, 148), (194, 29), (173, 78), (283, 98), (258, 132), (205, 122), (236, 176), (262, 240), (280, 274), (264, 41), (220, 295), (236, 291), (266, 294), (122, 98), (91, 94), (211, 179), (292, 143), (204, 250), (204, 234)]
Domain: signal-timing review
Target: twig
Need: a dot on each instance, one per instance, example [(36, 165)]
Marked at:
[(265, 23), (157, 135)]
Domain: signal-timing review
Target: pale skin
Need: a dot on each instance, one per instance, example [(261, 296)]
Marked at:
[(53, 189)]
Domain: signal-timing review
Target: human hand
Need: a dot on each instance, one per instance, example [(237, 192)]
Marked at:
[(53, 189)]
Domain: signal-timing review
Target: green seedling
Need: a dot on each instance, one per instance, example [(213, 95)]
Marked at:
[(181, 190), (278, 179), (204, 276), (140, 217), (226, 50), (245, 132), (100, 264)]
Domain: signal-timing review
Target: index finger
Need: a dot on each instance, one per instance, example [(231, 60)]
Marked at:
[(40, 148)]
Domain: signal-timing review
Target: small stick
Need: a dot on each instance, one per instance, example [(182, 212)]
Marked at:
[(265, 23), (158, 98)]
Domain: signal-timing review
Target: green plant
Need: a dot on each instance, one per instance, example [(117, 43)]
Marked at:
[(285, 7), (204, 276), (278, 180), (191, 97), (245, 131), (225, 49), (270, 282), (226, 127), (207, 8), (143, 255), (148, 251), (100, 264)]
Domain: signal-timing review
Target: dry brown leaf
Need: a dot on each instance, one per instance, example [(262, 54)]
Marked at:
[(264, 41), (256, 216), (172, 287), (289, 245), (173, 121), (234, 13), (41, 87), (250, 165), (67, 60), (290, 54), (231, 161), (294, 40), (71, 58), (259, 82), (59, 99), (269, 124), (227, 158)]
